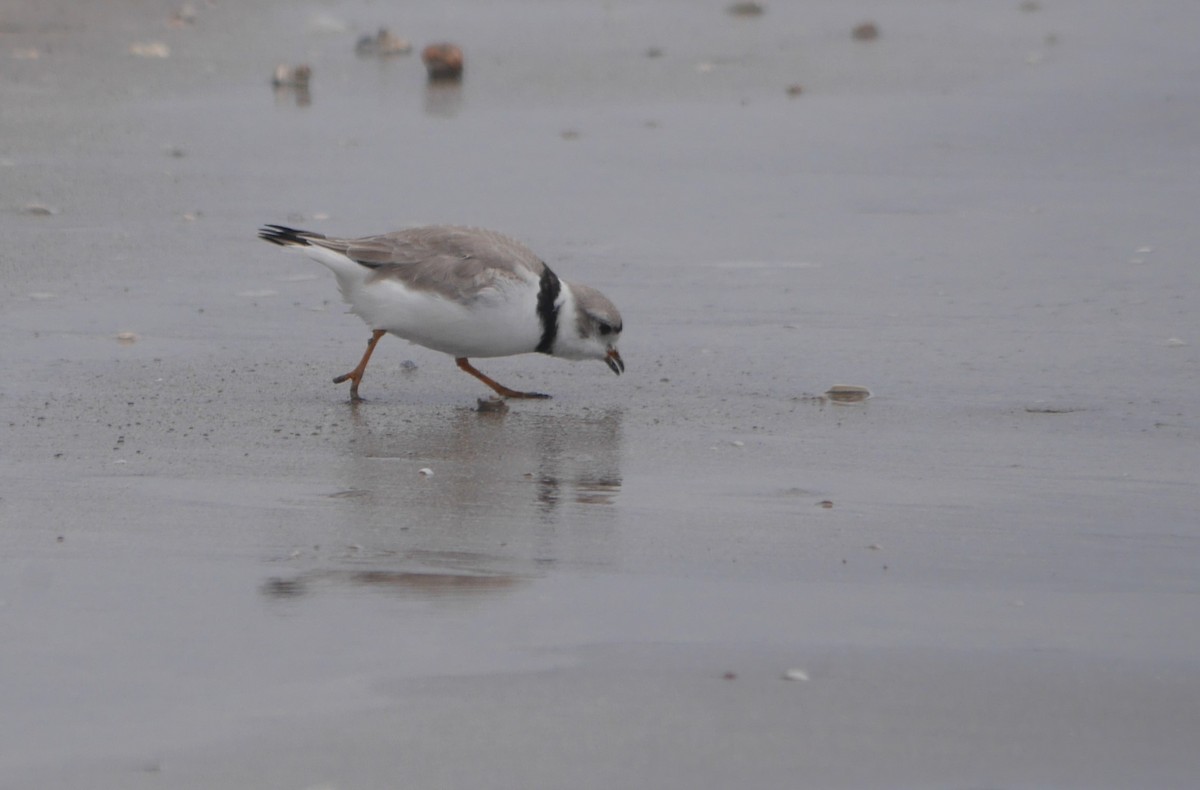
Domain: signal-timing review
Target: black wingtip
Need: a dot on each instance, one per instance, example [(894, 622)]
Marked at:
[(284, 236)]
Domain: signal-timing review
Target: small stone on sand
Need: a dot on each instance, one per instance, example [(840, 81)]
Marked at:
[(491, 406), (867, 31), (847, 393), (749, 8), (443, 61)]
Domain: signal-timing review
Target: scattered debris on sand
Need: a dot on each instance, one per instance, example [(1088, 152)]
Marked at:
[(183, 16), (383, 44), (1042, 409)]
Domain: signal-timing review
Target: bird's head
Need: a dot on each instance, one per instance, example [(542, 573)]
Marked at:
[(594, 332)]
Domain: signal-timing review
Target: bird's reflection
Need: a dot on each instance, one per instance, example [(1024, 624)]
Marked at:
[(467, 504), (443, 99), (484, 458)]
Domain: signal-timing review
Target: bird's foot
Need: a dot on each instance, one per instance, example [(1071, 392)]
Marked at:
[(353, 379)]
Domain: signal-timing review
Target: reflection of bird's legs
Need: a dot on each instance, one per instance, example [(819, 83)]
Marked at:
[(498, 387), (355, 376)]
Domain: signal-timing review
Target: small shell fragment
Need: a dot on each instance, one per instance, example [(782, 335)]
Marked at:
[(327, 24), (150, 49), (127, 338), (795, 674), (425, 472)]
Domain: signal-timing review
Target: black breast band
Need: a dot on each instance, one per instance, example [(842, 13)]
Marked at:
[(547, 312)]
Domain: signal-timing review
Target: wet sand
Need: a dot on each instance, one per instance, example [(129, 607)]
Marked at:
[(217, 572)]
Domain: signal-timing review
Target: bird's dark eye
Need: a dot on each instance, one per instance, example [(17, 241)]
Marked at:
[(605, 329)]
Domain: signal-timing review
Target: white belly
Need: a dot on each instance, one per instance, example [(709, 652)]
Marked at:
[(500, 322)]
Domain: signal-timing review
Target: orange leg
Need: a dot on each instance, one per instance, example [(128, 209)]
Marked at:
[(355, 376), (498, 387)]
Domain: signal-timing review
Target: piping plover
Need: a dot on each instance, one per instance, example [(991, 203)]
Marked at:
[(462, 291)]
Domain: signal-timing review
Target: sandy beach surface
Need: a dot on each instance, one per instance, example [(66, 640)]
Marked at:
[(216, 572)]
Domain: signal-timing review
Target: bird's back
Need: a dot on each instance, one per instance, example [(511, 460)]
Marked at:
[(454, 262)]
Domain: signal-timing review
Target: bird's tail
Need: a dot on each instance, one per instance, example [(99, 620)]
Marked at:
[(287, 237)]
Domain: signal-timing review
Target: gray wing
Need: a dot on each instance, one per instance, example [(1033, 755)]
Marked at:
[(455, 262)]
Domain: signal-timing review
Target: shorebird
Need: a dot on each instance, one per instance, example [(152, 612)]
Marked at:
[(465, 292)]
